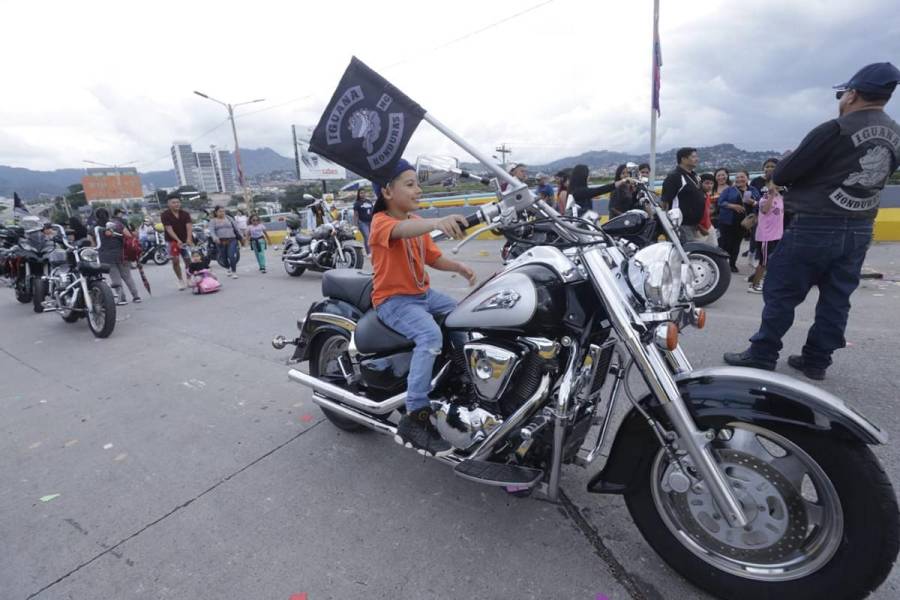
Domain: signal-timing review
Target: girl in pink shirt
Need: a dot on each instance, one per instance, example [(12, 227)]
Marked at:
[(769, 229)]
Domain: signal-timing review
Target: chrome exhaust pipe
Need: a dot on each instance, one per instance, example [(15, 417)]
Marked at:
[(339, 394), (354, 415), (335, 393)]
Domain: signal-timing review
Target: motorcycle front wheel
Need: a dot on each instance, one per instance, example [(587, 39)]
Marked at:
[(102, 316), (823, 517), (38, 294), (23, 289), (161, 255), (711, 276)]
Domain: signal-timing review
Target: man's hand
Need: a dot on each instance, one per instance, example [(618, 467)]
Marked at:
[(738, 208), (453, 226), (467, 272)]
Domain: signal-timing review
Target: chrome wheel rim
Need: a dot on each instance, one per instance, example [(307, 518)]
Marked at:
[(705, 273), (97, 314), (328, 357), (345, 260), (796, 521)]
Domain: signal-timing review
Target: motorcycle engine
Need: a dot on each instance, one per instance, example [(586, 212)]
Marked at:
[(503, 376)]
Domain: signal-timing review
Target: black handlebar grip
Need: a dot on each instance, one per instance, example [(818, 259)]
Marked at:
[(473, 219)]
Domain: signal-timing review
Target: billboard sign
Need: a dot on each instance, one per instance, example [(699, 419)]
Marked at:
[(311, 165)]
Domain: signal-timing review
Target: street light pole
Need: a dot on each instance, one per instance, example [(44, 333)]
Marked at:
[(248, 198)]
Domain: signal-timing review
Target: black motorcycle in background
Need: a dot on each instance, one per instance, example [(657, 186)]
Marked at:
[(26, 256), (331, 245), (709, 268), (74, 287), (157, 251)]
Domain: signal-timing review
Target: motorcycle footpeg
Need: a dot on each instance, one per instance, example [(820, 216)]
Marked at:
[(488, 473)]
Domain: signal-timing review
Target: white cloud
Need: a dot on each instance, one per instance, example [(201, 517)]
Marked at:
[(94, 80)]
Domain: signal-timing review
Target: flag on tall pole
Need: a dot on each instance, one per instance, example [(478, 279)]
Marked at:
[(657, 57), (367, 124), (654, 94)]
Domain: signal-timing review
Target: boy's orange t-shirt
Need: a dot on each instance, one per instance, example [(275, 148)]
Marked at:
[(391, 260)]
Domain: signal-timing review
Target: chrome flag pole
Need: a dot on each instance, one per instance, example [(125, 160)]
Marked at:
[(656, 64)]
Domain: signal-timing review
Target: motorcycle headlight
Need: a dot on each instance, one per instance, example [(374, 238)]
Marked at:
[(676, 217), (656, 273), (89, 255)]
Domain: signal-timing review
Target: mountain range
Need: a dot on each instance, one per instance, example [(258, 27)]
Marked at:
[(262, 161)]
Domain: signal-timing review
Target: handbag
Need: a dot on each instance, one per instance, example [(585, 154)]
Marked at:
[(749, 222)]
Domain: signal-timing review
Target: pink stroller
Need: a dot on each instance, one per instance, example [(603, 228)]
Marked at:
[(202, 279)]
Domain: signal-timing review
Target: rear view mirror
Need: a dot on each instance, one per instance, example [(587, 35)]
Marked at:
[(437, 170), (309, 197), (631, 166)]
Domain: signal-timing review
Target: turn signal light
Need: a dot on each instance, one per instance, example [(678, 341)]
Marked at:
[(700, 318), (667, 336)]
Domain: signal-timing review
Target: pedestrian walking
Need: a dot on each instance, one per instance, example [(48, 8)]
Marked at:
[(362, 216), (769, 229), (224, 232), (705, 227), (110, 236), (259, 241), (146, 234), (621, 199), (242, 222), (177, 225), (834, 181), (681, 189), (734, 203)]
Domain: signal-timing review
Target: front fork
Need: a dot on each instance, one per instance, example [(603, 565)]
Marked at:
[(658, 376)]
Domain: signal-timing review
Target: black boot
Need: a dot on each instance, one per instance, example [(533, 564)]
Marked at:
[(416, 431), (799, 363), (746, 359)]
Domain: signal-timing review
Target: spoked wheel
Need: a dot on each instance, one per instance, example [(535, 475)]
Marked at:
[(324, 363), (161, 255), (102, 316), (348, 258), (823, 517), (711, 277)]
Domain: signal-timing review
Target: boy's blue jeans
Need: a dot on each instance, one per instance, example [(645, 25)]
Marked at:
[(411, 316)]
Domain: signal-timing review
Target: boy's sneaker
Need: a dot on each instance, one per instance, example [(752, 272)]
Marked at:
[(755, 289), (416, 431), (137, 300), (122, 301)]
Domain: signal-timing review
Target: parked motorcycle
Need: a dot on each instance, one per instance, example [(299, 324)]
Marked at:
[(710, 271), (749, 483), (331, 245), (157, 251), (26, 258), (75, 288)]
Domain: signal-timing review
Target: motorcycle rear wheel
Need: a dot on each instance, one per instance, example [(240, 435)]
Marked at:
[(23, 290), (293, 270), (323, 363), (824, 518), (102, 317)]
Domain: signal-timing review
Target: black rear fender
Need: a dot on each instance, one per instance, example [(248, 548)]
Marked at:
[(705, 248), (720, 395), (323, 316)]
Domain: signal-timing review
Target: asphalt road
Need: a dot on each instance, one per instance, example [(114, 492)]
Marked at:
[(175, 460)]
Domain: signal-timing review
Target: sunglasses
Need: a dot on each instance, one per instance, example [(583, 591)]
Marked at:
[(840, 94)]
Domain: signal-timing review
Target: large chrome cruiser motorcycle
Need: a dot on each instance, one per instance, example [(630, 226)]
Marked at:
[(74, 287), (331, 245), (709, 270), (748, 483)]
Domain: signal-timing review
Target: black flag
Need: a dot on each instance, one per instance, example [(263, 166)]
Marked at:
[(18, 205), (367, 124)]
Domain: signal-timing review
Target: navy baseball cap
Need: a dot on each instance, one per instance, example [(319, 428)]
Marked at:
[(402, 166), (877, 78)]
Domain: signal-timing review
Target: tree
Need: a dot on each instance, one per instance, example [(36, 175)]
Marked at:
[(293, 196), (75, 196)]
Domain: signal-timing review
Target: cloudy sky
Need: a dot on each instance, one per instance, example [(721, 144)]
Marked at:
[(112, 82)]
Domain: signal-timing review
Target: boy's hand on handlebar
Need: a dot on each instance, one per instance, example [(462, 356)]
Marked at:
[(453, 226)]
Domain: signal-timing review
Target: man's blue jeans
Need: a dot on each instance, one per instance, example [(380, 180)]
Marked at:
[(827, 252), (412, 317)]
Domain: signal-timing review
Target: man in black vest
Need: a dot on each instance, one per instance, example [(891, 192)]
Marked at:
[(835, 178), (681, 189)]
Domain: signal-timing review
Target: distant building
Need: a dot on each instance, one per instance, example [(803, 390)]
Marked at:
[(112, 185), (211, 172)]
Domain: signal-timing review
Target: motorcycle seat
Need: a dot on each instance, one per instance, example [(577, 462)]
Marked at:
[(374, 337), (350, 286), (302, 239)]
